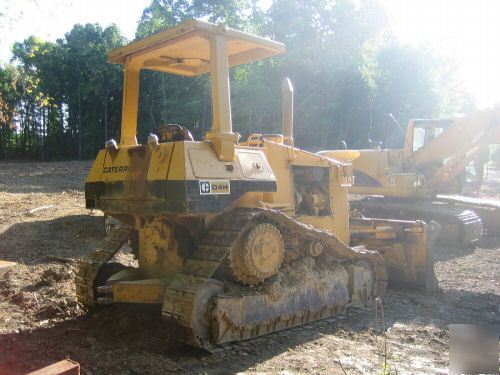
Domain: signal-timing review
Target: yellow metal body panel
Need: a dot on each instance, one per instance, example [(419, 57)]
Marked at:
[(95, 172), (122, 166), (321, 222), (140, 291), (130, 107), (340, 207), (381, 172), (159, 162), (178, 161), (185, 48), (278, 158), (307, 159), (167, 178), (177, 168), (205, 164), (282, 159), (254, 165)]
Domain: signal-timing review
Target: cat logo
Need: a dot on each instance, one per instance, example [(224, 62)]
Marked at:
[(215, 187)]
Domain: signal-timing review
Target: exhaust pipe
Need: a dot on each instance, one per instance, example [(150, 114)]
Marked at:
[(287, 110)]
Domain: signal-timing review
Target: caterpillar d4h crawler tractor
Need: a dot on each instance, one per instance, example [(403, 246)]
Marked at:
[(233, 240)]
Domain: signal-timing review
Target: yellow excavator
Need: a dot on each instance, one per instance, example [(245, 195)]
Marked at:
[(233, 240), (424, 179)]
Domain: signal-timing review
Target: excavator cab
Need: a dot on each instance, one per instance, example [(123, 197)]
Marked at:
[(422, 132)]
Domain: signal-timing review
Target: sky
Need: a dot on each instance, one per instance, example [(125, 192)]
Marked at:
[(51, 19), (468, 31)]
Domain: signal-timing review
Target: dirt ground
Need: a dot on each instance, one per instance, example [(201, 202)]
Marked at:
[(42, 216)]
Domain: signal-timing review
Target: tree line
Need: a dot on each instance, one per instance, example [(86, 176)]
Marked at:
[(62, 99)]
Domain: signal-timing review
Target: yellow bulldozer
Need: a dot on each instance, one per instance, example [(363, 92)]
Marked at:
[(425, 179), (234, 240)]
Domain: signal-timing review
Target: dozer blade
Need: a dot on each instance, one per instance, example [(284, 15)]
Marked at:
[(407, 247), (460, 226)]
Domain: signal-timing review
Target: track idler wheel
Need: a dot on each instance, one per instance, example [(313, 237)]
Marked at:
[(105, 272), (202, 312), (258, 255)]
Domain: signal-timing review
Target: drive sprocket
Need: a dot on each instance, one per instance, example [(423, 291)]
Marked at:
[(258, 255)]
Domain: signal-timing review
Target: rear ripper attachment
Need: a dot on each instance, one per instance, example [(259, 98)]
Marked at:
[(90, 266)]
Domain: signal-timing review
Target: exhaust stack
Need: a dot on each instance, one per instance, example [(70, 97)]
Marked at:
[(287, 109)]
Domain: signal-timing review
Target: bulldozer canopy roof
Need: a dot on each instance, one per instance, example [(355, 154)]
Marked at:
[(185, 49)]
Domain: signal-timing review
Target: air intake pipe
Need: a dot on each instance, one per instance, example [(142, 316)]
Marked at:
[(287, 110)]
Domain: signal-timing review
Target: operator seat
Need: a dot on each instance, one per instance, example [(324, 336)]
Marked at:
[(174, 132)]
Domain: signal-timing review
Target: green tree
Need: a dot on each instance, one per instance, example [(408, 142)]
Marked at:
[(71, 95), (348, 74), (412, 83), (9, 99)]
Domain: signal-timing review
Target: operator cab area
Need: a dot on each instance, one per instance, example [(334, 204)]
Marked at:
[(173, 133)]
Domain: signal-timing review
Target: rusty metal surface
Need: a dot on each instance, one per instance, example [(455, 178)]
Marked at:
[(188, 296), (64, 367), (322, 293), (407, 247), (459, 226), (259, 255), (88, 267), (203, 311)]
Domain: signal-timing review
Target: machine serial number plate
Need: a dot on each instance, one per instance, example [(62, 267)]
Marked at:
[(215, 187)]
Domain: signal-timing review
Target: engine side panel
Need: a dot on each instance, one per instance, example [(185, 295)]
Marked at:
[(177, 177)]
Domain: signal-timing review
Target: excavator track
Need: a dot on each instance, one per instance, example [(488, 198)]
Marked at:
[(460, 226), (89, 267), (487, 209), (249, 312)]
